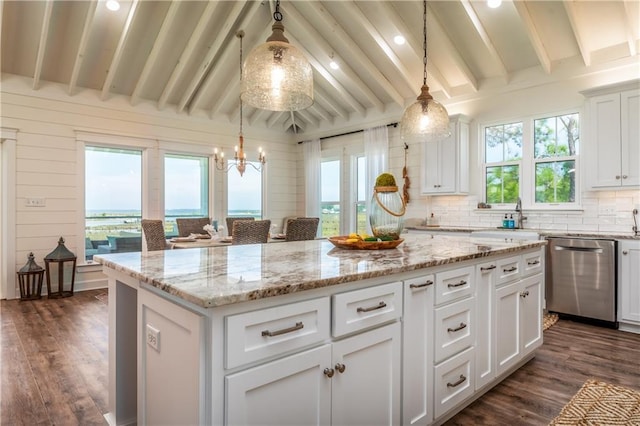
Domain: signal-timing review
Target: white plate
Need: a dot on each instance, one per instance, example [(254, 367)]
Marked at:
[(182, 240)]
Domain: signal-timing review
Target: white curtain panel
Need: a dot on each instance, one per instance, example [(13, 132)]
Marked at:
[(376, 151), (312, 158)]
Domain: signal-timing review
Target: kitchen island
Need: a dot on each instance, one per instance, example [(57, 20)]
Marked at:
[(307, 333)]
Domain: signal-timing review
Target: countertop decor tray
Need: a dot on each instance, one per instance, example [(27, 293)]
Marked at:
[(340, 241)]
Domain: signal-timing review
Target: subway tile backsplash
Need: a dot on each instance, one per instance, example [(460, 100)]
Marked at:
[(605, 211)]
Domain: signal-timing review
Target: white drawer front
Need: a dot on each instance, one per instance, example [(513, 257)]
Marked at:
[(454, 328), (453, 382), (532, 263), (365, 308), (264, 333), (454, 284), (509, 269)]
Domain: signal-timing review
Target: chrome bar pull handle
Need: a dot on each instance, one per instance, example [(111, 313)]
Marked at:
[(267, 333), (372, 308), (340, 367), (458, 328), (457, 382), (513, 268), (461, 283), (329, 372), (488, 268), (425, 284)]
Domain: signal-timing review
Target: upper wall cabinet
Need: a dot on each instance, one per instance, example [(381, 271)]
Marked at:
[(446, 162), (612, 151)]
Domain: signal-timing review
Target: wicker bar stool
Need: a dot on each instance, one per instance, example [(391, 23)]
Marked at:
[(302, 228), (231, 219), (153, 230), (250, 232), (188, 226)]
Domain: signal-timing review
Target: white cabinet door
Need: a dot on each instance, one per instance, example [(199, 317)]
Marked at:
[(446, 162), (366, 383), (485, 286), (613, 150), (507, 326), (289, 391), (417, 354), (630, 137), (531, 296), (628, 288), (518, 321)]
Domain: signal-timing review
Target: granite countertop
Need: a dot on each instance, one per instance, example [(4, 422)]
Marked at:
[(216, 276), (542, 232)]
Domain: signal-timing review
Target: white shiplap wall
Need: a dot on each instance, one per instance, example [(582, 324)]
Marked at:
[(47, 166)]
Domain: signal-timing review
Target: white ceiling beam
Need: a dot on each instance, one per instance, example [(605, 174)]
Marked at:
[(574, 19), (188, 52), (308, 117), (475, 20), (356, 14), (297, 24), (275, 117), (221, 41), (82, 46), (354, 52), (160, 42), (258, 115), (42, 46), (232, 88), (232, 49), (534, 36), (417, 47), (329, 104), (454, 54), (319, 111), (632, 19), (117, 56), (342, 91)]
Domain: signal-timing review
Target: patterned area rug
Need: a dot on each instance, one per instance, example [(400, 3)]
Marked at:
[(600, 403), (549, 320)]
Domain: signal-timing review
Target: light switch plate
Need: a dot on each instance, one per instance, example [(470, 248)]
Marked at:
[(35, 202)]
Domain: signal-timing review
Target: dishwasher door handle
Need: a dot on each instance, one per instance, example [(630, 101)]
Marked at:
[(583, 249)]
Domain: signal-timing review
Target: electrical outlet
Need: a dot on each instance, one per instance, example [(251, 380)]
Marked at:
[(153, 337), (35, 202)]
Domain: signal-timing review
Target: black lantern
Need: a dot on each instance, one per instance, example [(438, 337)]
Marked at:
[(30, 277), (61, 271)]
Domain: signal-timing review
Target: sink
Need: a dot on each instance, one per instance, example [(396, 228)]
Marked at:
[(515, 234)]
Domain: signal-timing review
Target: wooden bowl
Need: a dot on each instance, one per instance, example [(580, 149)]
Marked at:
[(341, 242)]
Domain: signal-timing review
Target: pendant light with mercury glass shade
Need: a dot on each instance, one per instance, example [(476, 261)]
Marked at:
[(277, 76), (426, 119)]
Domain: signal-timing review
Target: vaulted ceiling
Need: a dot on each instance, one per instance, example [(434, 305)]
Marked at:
[(183, 56)]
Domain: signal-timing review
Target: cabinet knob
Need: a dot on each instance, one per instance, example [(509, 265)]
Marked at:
[(618, 177), (340, 367), (328, 372), (624, 176), (524, 293), (625, 252)]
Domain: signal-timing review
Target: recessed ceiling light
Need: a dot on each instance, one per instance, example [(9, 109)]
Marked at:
[(113, 5), (494, 3), (334, 65), (399, 40)]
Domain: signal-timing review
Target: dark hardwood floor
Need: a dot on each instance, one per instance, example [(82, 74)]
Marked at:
[(54, 367)]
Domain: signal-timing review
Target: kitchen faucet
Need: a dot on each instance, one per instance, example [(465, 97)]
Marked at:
[(521, 218)]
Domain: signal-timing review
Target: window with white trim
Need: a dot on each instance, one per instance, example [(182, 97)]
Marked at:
[(244, 193), (535, 159)]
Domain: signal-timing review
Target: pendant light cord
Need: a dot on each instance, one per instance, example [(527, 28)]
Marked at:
[(424, 43), (240, 36), (277, 16)]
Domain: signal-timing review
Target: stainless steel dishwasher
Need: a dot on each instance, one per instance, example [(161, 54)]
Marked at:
[(581, 278)]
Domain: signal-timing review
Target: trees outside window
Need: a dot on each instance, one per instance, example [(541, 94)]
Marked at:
[(534, 159)]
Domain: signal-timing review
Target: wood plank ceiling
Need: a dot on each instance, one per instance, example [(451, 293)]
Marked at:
[(183, 56)]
